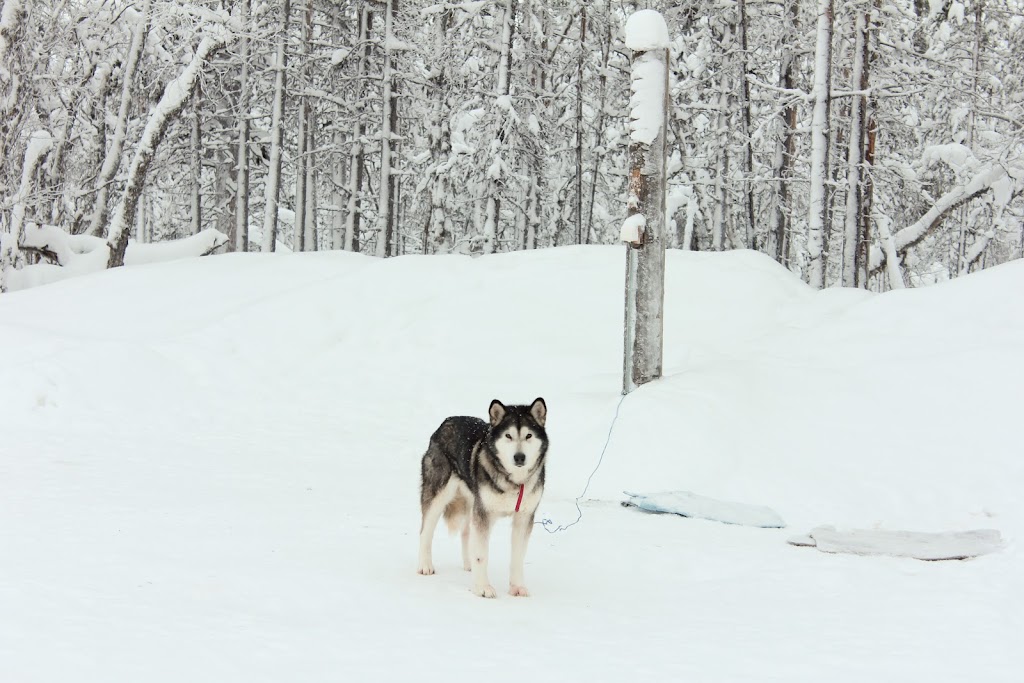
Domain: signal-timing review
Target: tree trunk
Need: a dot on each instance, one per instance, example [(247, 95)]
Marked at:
[(273, 185), (868, 185), (39, 146), (176, 94), (241, 236), (963, 264), (720, 219), (599, 128), (302, 153), (302, 138), (581, 235), (389, 118), (493, 213), (817, 214), (112, 160), (855, 152), (309, 227), (748, 146), (196, 192), (439, 231), (12, 102), (645, 259), (357, 162), (785, 145)]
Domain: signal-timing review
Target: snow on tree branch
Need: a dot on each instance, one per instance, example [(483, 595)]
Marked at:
[(39, 145), (1001, 179), (74, 255), (11, 15), (175, 95)]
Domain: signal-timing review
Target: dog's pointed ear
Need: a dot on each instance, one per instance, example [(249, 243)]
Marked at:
[(496, 411), (539, 410)]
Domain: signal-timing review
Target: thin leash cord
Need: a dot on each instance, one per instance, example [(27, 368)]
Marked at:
[(547, 522)]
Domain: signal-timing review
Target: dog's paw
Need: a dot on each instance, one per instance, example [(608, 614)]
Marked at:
[(467, 566), (484, 591), (425, 568), (518, 591)]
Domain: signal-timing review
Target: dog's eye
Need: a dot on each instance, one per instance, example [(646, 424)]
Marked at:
[(529, 436), (508, 436)]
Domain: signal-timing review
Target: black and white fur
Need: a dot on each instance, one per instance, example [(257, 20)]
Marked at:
[(471, 474)]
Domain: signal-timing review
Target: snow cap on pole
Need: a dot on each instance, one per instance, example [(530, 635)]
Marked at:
[(646, 30)]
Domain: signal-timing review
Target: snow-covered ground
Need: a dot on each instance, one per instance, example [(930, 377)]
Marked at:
[(209, 471)]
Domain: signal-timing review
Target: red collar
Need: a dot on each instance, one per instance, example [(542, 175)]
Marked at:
[(519, 500)]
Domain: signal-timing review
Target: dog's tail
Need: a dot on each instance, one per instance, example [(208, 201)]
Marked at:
[(455, 515)]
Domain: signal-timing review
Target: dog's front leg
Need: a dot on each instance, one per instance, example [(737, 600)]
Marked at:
[(479, 541), (522, 525)]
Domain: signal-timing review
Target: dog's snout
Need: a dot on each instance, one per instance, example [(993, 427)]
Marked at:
[(520, 459)]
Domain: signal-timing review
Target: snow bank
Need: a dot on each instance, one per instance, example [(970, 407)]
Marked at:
[(223, 454), (78, 255)]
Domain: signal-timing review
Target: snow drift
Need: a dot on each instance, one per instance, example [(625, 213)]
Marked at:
[(209, 471)]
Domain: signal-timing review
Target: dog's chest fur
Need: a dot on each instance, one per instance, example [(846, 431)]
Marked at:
[(503, 503)]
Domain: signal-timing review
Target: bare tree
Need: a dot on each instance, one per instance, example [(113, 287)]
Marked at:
[(818, 206), (112, 160), (241, 236), (273, 185), (855, 151), (176, 94)]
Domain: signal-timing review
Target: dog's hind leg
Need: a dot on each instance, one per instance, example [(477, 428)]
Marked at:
[(432, 510), (522, 525)]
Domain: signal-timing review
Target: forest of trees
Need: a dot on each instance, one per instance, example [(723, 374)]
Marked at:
[(859, 143)]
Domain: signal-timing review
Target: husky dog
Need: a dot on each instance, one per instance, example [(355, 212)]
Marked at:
[(474, 472)]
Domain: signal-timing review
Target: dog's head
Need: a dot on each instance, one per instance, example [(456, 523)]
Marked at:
[(517, 437)]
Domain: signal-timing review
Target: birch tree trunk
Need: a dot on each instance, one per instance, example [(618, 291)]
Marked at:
[(302, 158), (720, 219), (492, 215), (12, 108), (599, 128), (439, 232), (356, 161), (112, 160), (241, 236), (273, 185), (863, 247), (748, 145), (855, 153), (816, 227), (39, 146), (298, 229), (196, 190), (386, 205), (962, 263), (581, 235), (645, 256), (785, 144), (176, 94), (309, 227)]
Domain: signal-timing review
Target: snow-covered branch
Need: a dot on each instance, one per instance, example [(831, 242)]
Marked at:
[(176, 94), (988, 177), (38, 147), (72, 255)]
